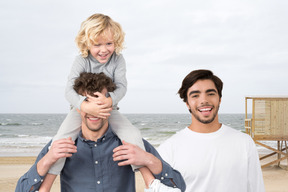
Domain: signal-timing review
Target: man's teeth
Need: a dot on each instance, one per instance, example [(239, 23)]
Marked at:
[(93, 118), (206, 109)]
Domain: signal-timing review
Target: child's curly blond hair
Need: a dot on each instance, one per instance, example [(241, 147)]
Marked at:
[(95, 26)]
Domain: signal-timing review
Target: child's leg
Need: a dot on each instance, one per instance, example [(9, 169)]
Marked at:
[(69, 128), (148, 177), (127, 132), (47, 183)]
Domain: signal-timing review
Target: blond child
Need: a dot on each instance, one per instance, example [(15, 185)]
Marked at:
[(100, 41)]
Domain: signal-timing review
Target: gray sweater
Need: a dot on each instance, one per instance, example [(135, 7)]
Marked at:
[(115, 68)]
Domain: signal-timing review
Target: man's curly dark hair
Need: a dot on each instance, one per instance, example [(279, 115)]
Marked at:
[(89, 83)]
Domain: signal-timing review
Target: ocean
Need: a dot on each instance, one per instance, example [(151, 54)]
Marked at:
[(27, 134)]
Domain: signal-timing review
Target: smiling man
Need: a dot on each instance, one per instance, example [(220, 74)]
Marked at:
[(209, 155), (98, 161)]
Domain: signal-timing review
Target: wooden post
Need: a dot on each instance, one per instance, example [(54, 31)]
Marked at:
[(279, 149)]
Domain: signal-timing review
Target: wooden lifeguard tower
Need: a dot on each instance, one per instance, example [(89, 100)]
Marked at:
[(269, 122)]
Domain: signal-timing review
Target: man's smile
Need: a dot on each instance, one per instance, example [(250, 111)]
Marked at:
[(93, 119), (205, 110)]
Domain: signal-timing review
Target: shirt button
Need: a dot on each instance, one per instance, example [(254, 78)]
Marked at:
[(103, 139), (35, 180), (166, 174), (41, 180), (98, 182), (162, 178), (95, 145), (96, 162)]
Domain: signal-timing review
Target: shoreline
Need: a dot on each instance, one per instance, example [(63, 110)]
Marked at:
[(13, 167)]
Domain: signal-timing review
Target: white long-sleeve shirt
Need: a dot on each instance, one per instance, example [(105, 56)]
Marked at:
[(223, 161)]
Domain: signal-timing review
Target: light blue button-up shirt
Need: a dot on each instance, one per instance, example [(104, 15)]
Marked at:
[(92, 169)]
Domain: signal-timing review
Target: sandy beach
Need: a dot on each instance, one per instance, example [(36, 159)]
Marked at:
[(11, 168)]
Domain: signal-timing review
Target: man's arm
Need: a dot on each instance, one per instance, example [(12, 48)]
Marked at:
[(150, 158), (32, 180), (255, 177)]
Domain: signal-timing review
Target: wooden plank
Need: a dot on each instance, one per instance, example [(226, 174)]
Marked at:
[(268, 97), (272, 149), (253, 119), (266, 156), (285, 117), (276, 161), (271, 137), (267, 125)]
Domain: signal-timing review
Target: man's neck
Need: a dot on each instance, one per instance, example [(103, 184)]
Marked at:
[(93, 135), (199, 127)]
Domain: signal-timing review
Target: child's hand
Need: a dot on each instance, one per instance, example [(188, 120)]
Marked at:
[(96, 106), (61, 148), (102, 98)]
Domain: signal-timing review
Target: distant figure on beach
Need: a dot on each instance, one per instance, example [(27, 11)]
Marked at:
[(211, 157), (100, 41), (98, 160)]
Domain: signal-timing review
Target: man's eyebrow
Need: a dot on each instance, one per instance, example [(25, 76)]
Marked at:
[(207, 91), (211, 90), (193, 92)]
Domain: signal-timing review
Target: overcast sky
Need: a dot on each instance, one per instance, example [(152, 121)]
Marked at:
[(244, 42)]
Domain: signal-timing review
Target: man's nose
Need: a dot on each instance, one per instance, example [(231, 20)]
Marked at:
[(204, 99)]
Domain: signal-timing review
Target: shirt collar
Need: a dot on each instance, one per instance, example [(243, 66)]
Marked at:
[(107, 135)]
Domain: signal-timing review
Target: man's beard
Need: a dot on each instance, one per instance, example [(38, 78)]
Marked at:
[(94, 129), (203, 120)]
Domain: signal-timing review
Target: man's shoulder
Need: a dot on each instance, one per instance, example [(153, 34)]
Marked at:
[(146, 143), (180, 133), (236, 133), (177, 137), (232, 130)]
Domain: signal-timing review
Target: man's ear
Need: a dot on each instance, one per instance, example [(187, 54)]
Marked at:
[(187, 105)]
